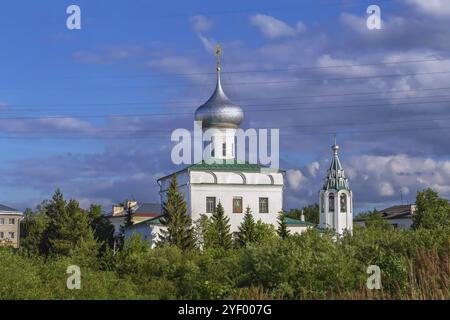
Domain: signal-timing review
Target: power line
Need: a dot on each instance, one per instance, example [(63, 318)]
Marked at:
[(198, 101), (143, 105), (304, 125), (287, 134), (264, 82), (247, 110), (293, 68)]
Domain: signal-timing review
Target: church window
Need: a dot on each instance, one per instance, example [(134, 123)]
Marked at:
[(263, 205), (224, 149), (210, 204), (212, 151), (331, 203), (322, 203), (237, 205), (343, 203)]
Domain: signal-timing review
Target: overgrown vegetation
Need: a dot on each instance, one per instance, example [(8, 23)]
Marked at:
[(261, 264)]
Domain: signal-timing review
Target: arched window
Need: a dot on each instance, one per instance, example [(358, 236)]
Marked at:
[(343, 203), (331, 203), (322, 203)]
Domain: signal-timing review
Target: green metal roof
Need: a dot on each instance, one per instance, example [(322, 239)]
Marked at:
[(223, 165), (227, 166), (292, 221), (154, 220), (336, 179)]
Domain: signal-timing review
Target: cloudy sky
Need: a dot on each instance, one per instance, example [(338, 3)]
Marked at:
[(91, 111)]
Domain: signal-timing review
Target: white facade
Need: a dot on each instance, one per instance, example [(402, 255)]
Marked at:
[(336, 210), (227, 186)]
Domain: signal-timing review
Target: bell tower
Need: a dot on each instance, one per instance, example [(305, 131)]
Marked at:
[(336, 198)]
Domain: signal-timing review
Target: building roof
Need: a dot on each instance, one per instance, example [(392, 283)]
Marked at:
[(151, 209), (336, 179), (297, 222), (399, 211), (395, 212), (225, 165), (150, 221), (143, 209), (7, 209)]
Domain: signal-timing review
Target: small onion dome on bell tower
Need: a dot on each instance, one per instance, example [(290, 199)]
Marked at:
[(219, 111)]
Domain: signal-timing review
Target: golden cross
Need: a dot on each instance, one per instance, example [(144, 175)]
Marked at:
[(218, 54)]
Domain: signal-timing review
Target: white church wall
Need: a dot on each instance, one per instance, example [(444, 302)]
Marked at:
[(250, 197), (229, 178)]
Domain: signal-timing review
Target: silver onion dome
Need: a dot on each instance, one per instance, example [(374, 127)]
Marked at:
[(219, 111)]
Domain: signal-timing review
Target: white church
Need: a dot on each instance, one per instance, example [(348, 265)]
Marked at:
[(220, 177)]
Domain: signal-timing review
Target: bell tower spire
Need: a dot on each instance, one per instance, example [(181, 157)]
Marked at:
[(336, 197)]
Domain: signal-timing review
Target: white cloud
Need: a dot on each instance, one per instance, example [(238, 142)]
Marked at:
[(313, 168), (295, 179), (393, 174), (385, 189), (435, 8), (208, 43), (201, 23), (273, 28), (70, 124)]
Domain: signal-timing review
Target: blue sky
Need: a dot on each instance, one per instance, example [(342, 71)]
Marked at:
[(382, 91)]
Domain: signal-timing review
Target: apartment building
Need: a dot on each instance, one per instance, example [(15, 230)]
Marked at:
[(10, 226)]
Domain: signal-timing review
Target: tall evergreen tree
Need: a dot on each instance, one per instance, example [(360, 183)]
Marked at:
[(128, 222), (247, 230), (282, 230), (68, 226), (102, 227), (220, 229), (177, 224)]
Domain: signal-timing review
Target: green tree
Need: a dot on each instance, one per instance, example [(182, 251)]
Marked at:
[(33, 229), (264, 232), (247, 230), (178, 230), (202, 231), (102, 227), (128, 209), (282, 230), (220, 229), (311, 213), (432, 211), (68, 226), (374, 219)]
